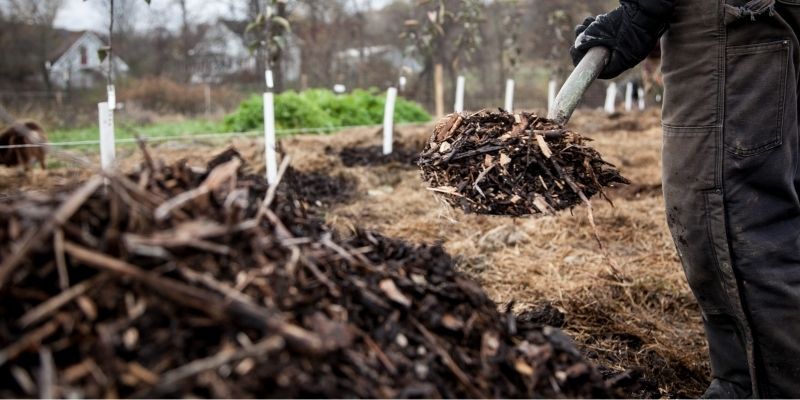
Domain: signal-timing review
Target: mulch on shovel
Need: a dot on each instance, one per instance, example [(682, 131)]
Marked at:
[(177, 281), (498, 163)]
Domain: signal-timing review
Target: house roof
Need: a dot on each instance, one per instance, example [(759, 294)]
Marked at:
[(60, 39), (237, 27), (63, 41)]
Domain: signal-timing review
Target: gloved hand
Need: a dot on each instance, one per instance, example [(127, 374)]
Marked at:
[(631, 32)]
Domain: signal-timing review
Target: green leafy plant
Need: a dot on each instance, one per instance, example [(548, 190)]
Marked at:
[(320, 108)]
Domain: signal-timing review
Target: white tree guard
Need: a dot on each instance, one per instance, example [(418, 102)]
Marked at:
[(111, 91), (552, 89), (611, 98), (642, 104), (509, 104), (629, 97), (460, 83), (107, 140), (388, 121), (270, 156)]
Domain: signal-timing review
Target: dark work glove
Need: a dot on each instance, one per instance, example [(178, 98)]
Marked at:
[(631, 32)]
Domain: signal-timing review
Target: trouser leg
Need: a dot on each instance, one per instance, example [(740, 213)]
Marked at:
[(761, 182), (730, 184)]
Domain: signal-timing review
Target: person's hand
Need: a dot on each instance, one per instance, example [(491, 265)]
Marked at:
[(630, 32)]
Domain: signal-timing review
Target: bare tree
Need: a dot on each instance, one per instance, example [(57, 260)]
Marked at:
[(444, 33), (41, 14), (186, 40)]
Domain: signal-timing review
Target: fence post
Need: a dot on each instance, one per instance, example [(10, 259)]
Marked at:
[(270, 157), (611, 98), (460, 83), (642, 104), (552, 89), (629, 97), (509, 96), (388, 121), (107, 141), (207, 93), (438, 89)]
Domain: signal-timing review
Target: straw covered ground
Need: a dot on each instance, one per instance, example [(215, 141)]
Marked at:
[(549, 265)]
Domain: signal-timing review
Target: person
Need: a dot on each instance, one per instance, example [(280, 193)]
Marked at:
[(731, 171)]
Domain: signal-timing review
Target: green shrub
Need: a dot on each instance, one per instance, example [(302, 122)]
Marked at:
[(320, 108)]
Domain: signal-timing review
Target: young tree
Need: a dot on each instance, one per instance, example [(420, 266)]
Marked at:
[(444, 33), (269, 29), (122, 14)]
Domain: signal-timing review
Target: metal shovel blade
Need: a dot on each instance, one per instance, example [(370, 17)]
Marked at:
[(578, 82)]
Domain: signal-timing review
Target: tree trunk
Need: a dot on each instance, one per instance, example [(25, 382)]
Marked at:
[(44, 45), (185, 41)]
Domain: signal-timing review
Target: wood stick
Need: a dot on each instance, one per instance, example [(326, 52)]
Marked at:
[(201, 300), (448, 360), (482, 150), (170, 378), (60, 216), (29, 340), (273, 189), (52, 305), (47, 374), (61, 262), (216, 178)]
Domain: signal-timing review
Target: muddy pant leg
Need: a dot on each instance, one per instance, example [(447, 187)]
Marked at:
[(693, 66), (761, 182)]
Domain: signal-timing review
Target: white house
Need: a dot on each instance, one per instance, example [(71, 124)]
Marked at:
[(220, 53), (354, 56), (76, 63), (223, 52)]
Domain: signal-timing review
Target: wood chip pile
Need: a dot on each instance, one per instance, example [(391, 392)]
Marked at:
[(498, 163), (177, 281)]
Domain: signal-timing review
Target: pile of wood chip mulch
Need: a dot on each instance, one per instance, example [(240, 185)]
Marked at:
[(179, 281)]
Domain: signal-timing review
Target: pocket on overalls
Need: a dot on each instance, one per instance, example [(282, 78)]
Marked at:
[(755, 92)]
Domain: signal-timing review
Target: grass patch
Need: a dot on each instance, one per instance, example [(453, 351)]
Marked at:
[(323, 110), (129, 131)]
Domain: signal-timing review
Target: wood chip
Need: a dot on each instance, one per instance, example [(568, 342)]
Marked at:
[(392, 292)]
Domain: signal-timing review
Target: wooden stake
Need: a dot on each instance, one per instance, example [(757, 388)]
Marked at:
[(438, 85)]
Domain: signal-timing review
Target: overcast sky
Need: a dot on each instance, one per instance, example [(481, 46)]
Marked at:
[(89, 14), (80, 14)]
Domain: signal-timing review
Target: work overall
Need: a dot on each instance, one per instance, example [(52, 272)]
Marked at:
[(731, 182)]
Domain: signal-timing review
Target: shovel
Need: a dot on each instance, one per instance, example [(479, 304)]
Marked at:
[(578, 82)]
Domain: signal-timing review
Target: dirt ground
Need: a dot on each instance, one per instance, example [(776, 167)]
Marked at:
[(648, 322)]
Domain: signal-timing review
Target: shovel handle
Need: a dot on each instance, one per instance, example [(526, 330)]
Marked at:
[(578, 82)]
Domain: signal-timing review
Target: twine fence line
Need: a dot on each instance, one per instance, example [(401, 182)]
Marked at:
[(217, 135)]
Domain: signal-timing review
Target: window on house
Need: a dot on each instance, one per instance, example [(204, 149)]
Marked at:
[(84, 55)]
